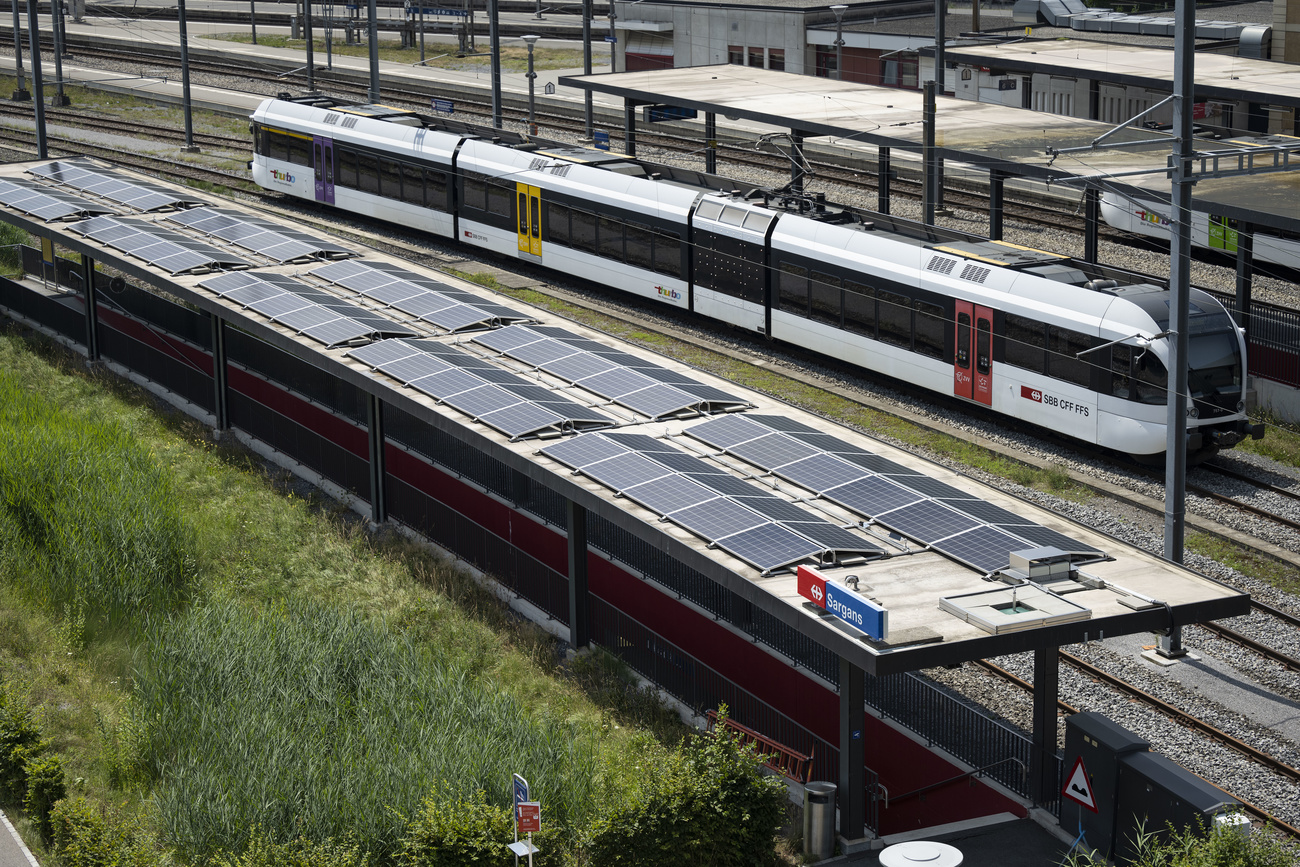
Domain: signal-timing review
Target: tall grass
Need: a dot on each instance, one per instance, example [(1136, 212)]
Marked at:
[(88, 526), (316, 723)]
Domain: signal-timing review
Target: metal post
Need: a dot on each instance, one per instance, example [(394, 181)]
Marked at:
[(494, 37), (185, 79), (252, 19), (38, 87), (586, 64), (853, 776), (56, 20), (421, 31), (1092, 224), (710, 143), (579, 603), (1245, 275), (612, 39), (796, 162), (329, 35), (975, 16), (378, 470), (629, 127), (927, 153), (311, 45), (22, 94), (92, 301), (884, 174), (997, 181), (1043, 787), (221, 396), (532, 121), (374, 52), (940, 76), (538, 13), (839, 41)]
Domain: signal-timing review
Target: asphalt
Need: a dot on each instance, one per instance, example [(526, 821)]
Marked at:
[(13, 852), (1008, 843)]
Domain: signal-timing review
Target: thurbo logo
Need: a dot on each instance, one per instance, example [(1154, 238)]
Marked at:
[(670, 294), (1152, 217), (283, 177)]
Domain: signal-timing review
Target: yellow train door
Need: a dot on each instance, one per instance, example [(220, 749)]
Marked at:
[(529, 208)]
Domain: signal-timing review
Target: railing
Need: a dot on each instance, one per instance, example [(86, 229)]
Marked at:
[(785, 761)]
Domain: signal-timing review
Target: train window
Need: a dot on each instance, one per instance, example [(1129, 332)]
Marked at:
[(368, 173), (929, 328), (390, 179), (277, 145), (983, 347), (435, 190), (963, 341), (1151, 378), (475, 192), (347, 167), (536, 217), (523, 213), (668, 254), (1025, 341), (895, 319), (792, 288), (557, 223), (826, 303), (584, 231), (299, 150), (499, 199), (640, 246), (1121, 381), (412, 184), (1063, 346), (611, 239), (860, 308)]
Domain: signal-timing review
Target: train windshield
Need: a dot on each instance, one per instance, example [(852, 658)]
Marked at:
[(1213, 354)]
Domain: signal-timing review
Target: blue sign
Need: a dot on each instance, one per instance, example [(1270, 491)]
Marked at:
[(521, 792), (438, 10), (653, 113), (601, 139), (446, 106), (856, 611), (611, 39)]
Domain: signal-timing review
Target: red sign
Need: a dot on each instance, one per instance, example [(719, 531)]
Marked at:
[(1031, 394), (528, 817), (812, 586), (1079, 787)]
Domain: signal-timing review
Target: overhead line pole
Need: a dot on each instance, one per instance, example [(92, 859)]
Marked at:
[(22, 94), (374, 52), (38, 87), (185, 79), (494, 37), (586, 63)]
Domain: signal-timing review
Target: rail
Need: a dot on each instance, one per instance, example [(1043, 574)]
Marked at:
[(1024, 775), (789, 763)]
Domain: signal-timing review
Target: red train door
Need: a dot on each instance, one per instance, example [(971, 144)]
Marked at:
[(983, 386), (962, 379)]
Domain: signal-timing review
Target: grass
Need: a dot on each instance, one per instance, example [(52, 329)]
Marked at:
[(1283, 576), (438, 54), (1281, 441), (296, 619)]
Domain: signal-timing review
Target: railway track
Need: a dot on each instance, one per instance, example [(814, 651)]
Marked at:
[(116, 126)]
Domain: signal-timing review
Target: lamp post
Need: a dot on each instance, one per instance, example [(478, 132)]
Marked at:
[(532, 123), (612, 39), (373, 34), (586, 61), (60, 39), (185, 79), (22, 94), (839, 40)]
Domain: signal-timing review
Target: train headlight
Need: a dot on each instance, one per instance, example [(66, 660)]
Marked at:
[(1241, 406), (1193, 412)]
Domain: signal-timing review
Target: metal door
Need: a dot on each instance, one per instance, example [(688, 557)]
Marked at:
[(528, 205), (322, 154), (982, 390), (962, 375)]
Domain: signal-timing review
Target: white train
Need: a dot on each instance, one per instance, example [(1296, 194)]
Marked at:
[(1067, 345), (1209, 231)]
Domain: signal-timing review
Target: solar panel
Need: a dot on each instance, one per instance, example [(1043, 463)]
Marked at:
[(477, 401), (985, 548), (506, 339), (44, 203), (725, 484), (988, 512), (821, 472), (616, 382), (718, 519), (265, 237), (727, 431), (1046, 537), (872, 496), (827, 535), (769, 546), (772, 451), (170, 251), (579, 366), (625, 470), (383, 352), (876, 464), (784, 424), (930, 487), (522, 419), (774, 507), (583, 450), (540, 352), (302, 308), (688, 464), (658, 401), (669, 494), (928, 521), (646, 444), (84, 175)]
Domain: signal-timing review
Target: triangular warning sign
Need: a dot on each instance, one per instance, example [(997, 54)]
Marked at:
[(1078, 788)]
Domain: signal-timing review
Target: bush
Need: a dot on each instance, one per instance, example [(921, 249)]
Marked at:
[(711, 803), (1198, 847), (263, 852), (20, 743), (45, 788), (453, 831), (84, 836)]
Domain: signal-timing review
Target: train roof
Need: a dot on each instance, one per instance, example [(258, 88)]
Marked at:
[(929, 567)]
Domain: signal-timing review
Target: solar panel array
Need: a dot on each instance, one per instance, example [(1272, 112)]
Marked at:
[(84, 175), (305, 309), (620, 377), (264, 237), (429, 300), (744, 520), (45, 203), (171, 251), (934, 513), (498, 398)]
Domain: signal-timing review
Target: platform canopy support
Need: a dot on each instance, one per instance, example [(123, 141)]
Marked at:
[(884, 174), (1092, 223), (629, 126), (1245, 274), (579, 603), (797, 170), (220, 394), (710, 142), (1043, 783), (997, 181), (853, 774), (378, 461), (92, 307)]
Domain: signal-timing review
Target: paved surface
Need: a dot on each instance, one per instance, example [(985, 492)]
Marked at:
[(1012, 843), (13, 853)]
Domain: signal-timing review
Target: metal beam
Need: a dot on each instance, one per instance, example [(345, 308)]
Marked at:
[(629, 124), (92, 305), (929, 175), (220, 383), (579, 602), (997, 181), (853, 775), (1092, 223), (1245, 275), (797, 164), (378, 464), (710, 142), (884, 174), (1042, 754)]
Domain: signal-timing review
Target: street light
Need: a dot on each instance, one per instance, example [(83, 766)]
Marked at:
[(839, 10), (612, 39), (532, 123)]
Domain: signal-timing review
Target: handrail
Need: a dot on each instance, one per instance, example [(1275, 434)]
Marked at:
[(780, 758), (1024, 771)]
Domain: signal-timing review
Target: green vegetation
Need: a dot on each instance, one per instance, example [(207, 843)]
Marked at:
[(438, 54), (11, 258), (1199, 847), (1284, 576), (215, 670), (1281, 442)]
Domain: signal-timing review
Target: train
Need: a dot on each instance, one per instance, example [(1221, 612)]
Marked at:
[(1210, 231), (1074, 347)]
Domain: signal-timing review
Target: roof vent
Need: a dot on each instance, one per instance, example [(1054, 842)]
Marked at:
[(941, 265)]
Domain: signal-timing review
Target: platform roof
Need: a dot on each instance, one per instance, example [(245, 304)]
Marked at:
[(936, 600), (1218, 76)]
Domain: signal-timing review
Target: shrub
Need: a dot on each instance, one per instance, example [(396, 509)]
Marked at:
[(20, 743), (84, 836), (452, 831), (1198, 846), (45, 788), (263, 852), (710, 803)]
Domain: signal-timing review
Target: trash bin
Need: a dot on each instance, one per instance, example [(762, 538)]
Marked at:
[(294, 31), (819, 820)]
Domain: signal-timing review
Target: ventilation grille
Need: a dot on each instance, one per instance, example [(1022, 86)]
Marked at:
[(941, 265), (349, 122), (332, 117), (974, 273), (561, 171), (537, 164)]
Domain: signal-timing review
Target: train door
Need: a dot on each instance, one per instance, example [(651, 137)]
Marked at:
[(322, 154), (529, 206), (982, 390), (1223, 233), (963, 380)]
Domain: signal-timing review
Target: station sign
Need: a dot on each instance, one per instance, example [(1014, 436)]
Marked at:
[(654, 113), (446, 106), (857, 611), (600, 138)]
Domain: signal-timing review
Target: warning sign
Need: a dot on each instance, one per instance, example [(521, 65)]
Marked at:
[(1078, 788)]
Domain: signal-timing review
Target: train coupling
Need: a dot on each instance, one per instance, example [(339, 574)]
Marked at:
[(1226, 438)]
